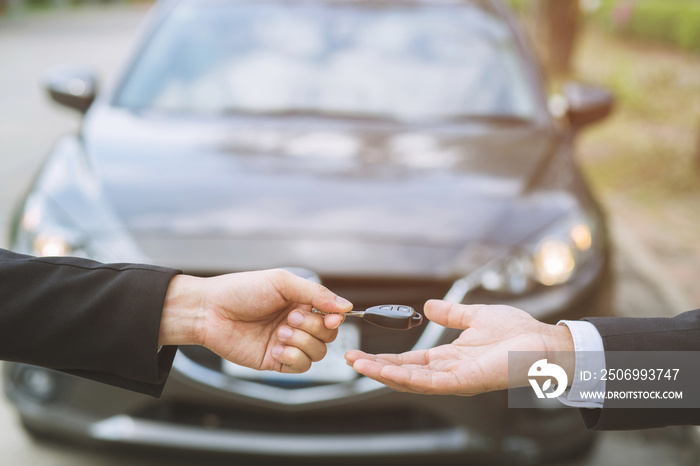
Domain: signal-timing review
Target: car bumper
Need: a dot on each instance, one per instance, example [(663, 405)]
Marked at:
[(392, 425)]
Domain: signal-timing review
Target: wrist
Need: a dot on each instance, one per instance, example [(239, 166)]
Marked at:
[(183, 312), (560, 345)]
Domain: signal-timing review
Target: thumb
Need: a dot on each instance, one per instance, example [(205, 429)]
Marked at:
[(452, 315), (302, 291)]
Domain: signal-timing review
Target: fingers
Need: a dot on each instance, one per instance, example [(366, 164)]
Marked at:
[(333, 321), (373, 370), (413, 378), (422, 381), (302, 291), (370, 366), (398, 378), (452, 315), (353, 355), (313, 324), (293, 359), (411, 357), (313, 348), (304, 341)]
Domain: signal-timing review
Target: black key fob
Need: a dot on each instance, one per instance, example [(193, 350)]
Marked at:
[(393, 316)]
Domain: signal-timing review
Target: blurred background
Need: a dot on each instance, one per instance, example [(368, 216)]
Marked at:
[(643, 162)]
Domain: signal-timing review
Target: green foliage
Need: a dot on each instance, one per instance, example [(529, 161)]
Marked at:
[(517, 5), (675, 22), (604, 14)]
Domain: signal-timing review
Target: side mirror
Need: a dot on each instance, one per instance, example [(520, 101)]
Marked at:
[(74, 87), (587, 104)]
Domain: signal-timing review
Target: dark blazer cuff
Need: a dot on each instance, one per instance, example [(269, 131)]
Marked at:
[(166, 357), (635, 419), (680, 333)]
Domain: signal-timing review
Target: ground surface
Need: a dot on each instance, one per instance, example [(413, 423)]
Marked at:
[(29, 125)]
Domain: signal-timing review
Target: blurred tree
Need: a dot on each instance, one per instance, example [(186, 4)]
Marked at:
[(697, 149), (557, 25)]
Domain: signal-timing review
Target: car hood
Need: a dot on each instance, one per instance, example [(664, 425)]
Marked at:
[(343, 198)]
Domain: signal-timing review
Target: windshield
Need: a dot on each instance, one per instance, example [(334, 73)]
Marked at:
[(404, 62)]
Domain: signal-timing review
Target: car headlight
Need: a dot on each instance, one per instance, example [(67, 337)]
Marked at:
[(66, 213), (45, 229), (51, 245), (553, 260), (43, 232)]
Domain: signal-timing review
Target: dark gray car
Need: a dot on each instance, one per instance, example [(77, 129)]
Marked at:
[(394, 151)]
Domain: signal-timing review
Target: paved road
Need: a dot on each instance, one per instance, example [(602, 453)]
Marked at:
[(29, 124)]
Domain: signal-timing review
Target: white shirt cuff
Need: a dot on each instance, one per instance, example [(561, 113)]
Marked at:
[(590, 357)]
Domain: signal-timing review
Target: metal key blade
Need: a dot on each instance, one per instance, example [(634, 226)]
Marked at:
[(390, 316), (349, 314)]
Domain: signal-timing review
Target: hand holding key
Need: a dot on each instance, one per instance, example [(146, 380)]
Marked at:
[(391, 316), (256, 319)]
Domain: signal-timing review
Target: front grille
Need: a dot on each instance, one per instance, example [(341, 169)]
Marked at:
[(318, 423)]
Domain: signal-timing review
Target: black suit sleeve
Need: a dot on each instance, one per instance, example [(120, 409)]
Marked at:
[(99, 321), (680, 333)]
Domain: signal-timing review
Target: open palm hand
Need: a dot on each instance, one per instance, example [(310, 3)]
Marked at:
[(476, 362)]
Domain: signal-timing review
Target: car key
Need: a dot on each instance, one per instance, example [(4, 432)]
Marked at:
[(391, 316)]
